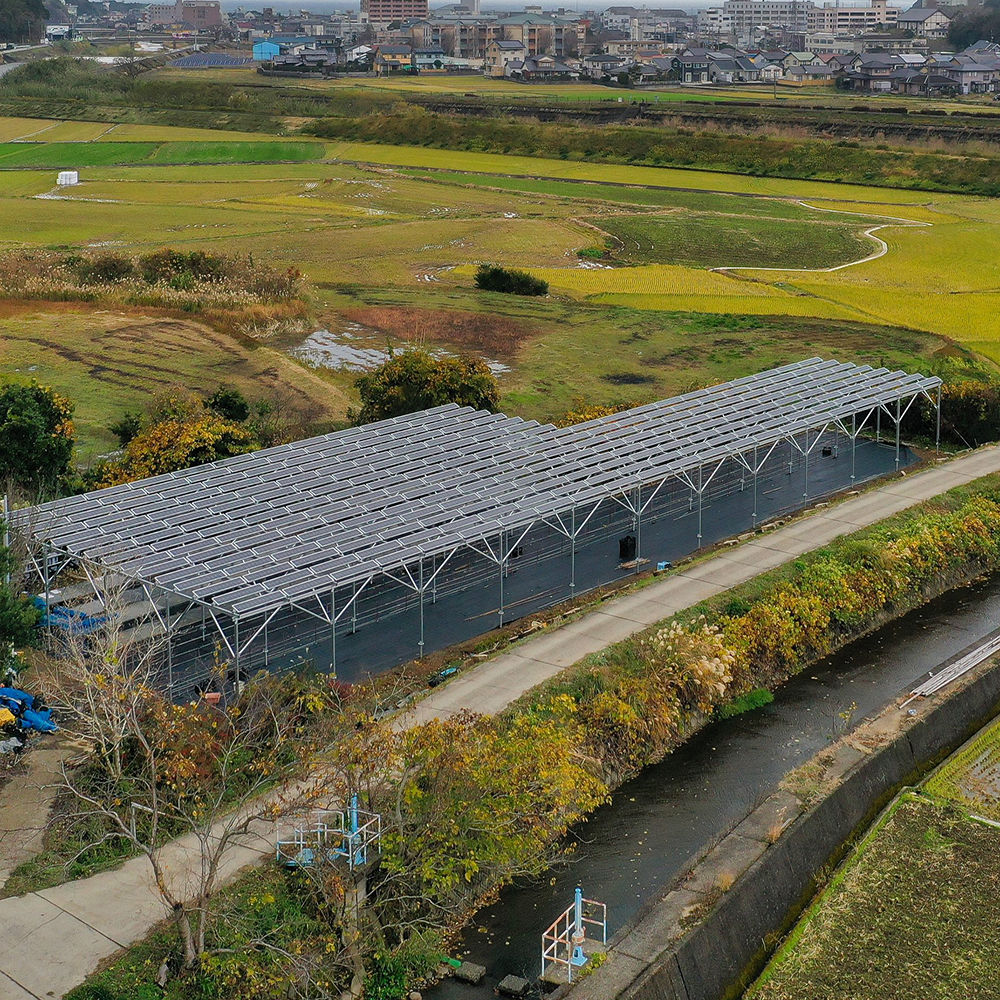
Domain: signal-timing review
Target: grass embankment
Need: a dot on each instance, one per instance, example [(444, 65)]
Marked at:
[(757, 156), (113, 359)]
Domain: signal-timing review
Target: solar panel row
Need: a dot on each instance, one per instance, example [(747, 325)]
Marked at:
[(250, 534)]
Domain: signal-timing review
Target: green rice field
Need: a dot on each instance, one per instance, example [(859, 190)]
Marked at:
[(78, 154)]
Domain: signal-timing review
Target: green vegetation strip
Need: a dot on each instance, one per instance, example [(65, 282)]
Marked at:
[(66, 155), (759, 156), (971, 777)]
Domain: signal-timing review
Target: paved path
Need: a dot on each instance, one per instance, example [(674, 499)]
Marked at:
[(495, 683), (51, 940), (25, 802)]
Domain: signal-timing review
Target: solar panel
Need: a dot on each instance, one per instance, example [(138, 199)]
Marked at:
[(250, 533)]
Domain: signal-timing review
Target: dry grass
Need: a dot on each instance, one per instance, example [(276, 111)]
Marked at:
[(725, 881), (774, 832), (498, 336)]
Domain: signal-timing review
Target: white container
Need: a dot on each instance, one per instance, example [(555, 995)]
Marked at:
[(67, 177)]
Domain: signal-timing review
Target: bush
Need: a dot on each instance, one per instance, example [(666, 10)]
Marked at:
[(757, 698), (126, 427), (418, 380), (492, 278), (229, 403), (108, 269)]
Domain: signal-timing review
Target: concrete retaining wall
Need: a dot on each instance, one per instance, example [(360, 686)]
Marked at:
[(700, 943)]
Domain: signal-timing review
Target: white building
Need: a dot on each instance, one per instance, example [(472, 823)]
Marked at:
[(840, 20), (746, 16)]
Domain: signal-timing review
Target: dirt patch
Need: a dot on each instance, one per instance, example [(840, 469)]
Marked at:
[(498, 336)]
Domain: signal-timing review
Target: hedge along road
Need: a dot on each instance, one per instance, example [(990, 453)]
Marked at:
[(55, 937)]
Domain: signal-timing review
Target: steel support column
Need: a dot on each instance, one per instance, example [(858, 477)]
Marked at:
[(502, 561), (170, 652), (572, 552), (937, 436), (45, 584), (701, 491), (333, 632), (638, 526), (420, 594), (897, 435), (854, 443), (6, 534), (236, 646), (805, 465)]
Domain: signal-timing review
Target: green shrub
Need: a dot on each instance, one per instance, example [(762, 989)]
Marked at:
[(757, 698), (492, 278)]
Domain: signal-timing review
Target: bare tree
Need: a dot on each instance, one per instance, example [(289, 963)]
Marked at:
[(153, 771), (448, 39)]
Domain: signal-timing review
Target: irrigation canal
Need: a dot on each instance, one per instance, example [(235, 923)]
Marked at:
[(634, 846)]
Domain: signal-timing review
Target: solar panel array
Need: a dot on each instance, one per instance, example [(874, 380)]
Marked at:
[(257, 532)]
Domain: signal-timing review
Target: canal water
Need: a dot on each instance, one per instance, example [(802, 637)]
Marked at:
[(632, 848)]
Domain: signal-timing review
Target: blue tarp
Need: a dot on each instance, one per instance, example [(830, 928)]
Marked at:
[(29, 714), (67, 619)]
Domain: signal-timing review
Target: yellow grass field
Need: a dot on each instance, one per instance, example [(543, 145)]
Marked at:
[(354, 221)]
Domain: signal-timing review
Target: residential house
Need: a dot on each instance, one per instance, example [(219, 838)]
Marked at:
[(393, 59), (924, 22), (800, 59), (545, 69), (429, 59), (972, 75), (597, 66), (499, 53), (912, 81), (691, 69), (872, 71)]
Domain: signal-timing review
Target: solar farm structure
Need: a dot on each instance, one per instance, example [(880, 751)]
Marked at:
[(361, 549)]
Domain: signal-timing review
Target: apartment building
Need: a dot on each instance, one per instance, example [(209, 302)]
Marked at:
[(383, 12), (838, 20), (744, 17)]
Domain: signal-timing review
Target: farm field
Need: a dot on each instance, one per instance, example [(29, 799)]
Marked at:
[(909, 914), (107, 360), (747, 240), (380, 227), (450, 85), (76, 154)]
